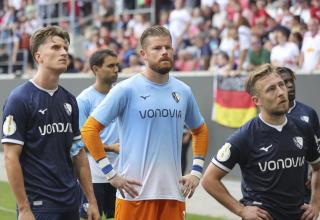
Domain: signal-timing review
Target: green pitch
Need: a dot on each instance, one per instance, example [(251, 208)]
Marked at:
[(7, 206)]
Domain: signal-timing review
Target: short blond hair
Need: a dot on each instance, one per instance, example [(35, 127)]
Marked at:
[(254, 76), (154, 31)]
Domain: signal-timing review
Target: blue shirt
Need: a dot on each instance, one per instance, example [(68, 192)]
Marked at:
[(151, 118), (272, 164), (45, 124)]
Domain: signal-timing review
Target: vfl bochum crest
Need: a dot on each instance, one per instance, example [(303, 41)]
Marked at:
[(298, 141), (68, 108), (176, 96)]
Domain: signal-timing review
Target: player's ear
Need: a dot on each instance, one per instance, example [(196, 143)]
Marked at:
[(95, 69), (256, 100), (142, 53), (37, 57)]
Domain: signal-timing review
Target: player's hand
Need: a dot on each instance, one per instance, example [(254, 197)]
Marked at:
[(112, 148), (255, 213), (93, 212), (125, 185), (309, 212), (26, 214), (189, 184)]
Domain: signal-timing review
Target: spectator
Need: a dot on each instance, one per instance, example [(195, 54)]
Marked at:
[(179, 22), (244, 34), (310, 51), (258, 55), (285, 53)]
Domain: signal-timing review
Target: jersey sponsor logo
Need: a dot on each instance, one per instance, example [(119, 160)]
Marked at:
[(304, 118), (281, 164), (55, 128), (160, 113), (176, 96), (266, 149), (68, 108), (43, 111), (224, 153), (145, 97), (9, 126), (298, 141)]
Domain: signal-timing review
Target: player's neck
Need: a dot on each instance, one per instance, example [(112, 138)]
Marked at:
[(156, 77), (273, 119), (102, 88), (46, 79)]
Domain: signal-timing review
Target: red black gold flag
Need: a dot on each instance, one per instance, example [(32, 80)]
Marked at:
[(232, 105)]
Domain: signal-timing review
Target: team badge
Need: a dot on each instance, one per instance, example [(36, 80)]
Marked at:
[(298, 141), (176, 96), (9, 126), (224, 152), (68, 108), (305, 118)]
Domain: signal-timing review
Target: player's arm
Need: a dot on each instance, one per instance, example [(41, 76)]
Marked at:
[(12, 154), (112, 148), (199, 148), (313, 213), (91, 138), (81, 165), (213, 185)]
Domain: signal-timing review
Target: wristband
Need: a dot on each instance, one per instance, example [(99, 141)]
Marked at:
[(197, 167), (106, 168)]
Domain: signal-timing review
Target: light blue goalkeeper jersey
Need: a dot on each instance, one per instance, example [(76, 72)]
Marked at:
[(151, 119), (87, 101)]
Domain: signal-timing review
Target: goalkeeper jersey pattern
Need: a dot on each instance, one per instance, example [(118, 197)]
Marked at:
[(45, 123), (151, 118), (88, 100), (272, 163)]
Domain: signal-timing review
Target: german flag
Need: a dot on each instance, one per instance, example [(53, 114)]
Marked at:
[(232, 105)]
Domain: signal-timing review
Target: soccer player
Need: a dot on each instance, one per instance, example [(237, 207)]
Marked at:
[(104, 65), (300, 111), (151, 108), (271, 150), (40, 124)]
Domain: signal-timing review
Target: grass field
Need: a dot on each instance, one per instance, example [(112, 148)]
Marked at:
[(7, 206)]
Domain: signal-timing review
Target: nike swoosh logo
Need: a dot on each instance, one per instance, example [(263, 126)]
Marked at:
[(145, 97), (266, 149), (43, 111)]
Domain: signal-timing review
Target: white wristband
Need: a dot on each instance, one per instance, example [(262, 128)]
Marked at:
[(106, 168), (197, 167)]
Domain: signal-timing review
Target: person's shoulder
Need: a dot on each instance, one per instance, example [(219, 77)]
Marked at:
[(66, 92), (22, 92), (84, 93), (303, 105), (178, 82), (298, 123)]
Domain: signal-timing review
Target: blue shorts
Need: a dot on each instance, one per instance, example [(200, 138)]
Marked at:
[(105, 195)]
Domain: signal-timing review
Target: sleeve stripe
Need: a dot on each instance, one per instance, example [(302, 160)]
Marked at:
[(197, 168), (12, 141), (221, 166), (77, 138), (315, 161)]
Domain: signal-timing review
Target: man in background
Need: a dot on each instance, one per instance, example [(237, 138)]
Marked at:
[(104, 65)]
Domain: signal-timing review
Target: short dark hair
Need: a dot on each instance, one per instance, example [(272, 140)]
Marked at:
[(154, 31), (42, 34), (260, 72), (97, 58), (283, 69)]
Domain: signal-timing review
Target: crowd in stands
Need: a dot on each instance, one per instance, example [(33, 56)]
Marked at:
[(223, 36)]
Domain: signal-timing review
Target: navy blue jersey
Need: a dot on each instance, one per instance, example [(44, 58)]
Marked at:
[(45, 125), (272, 164), (307, 114)]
